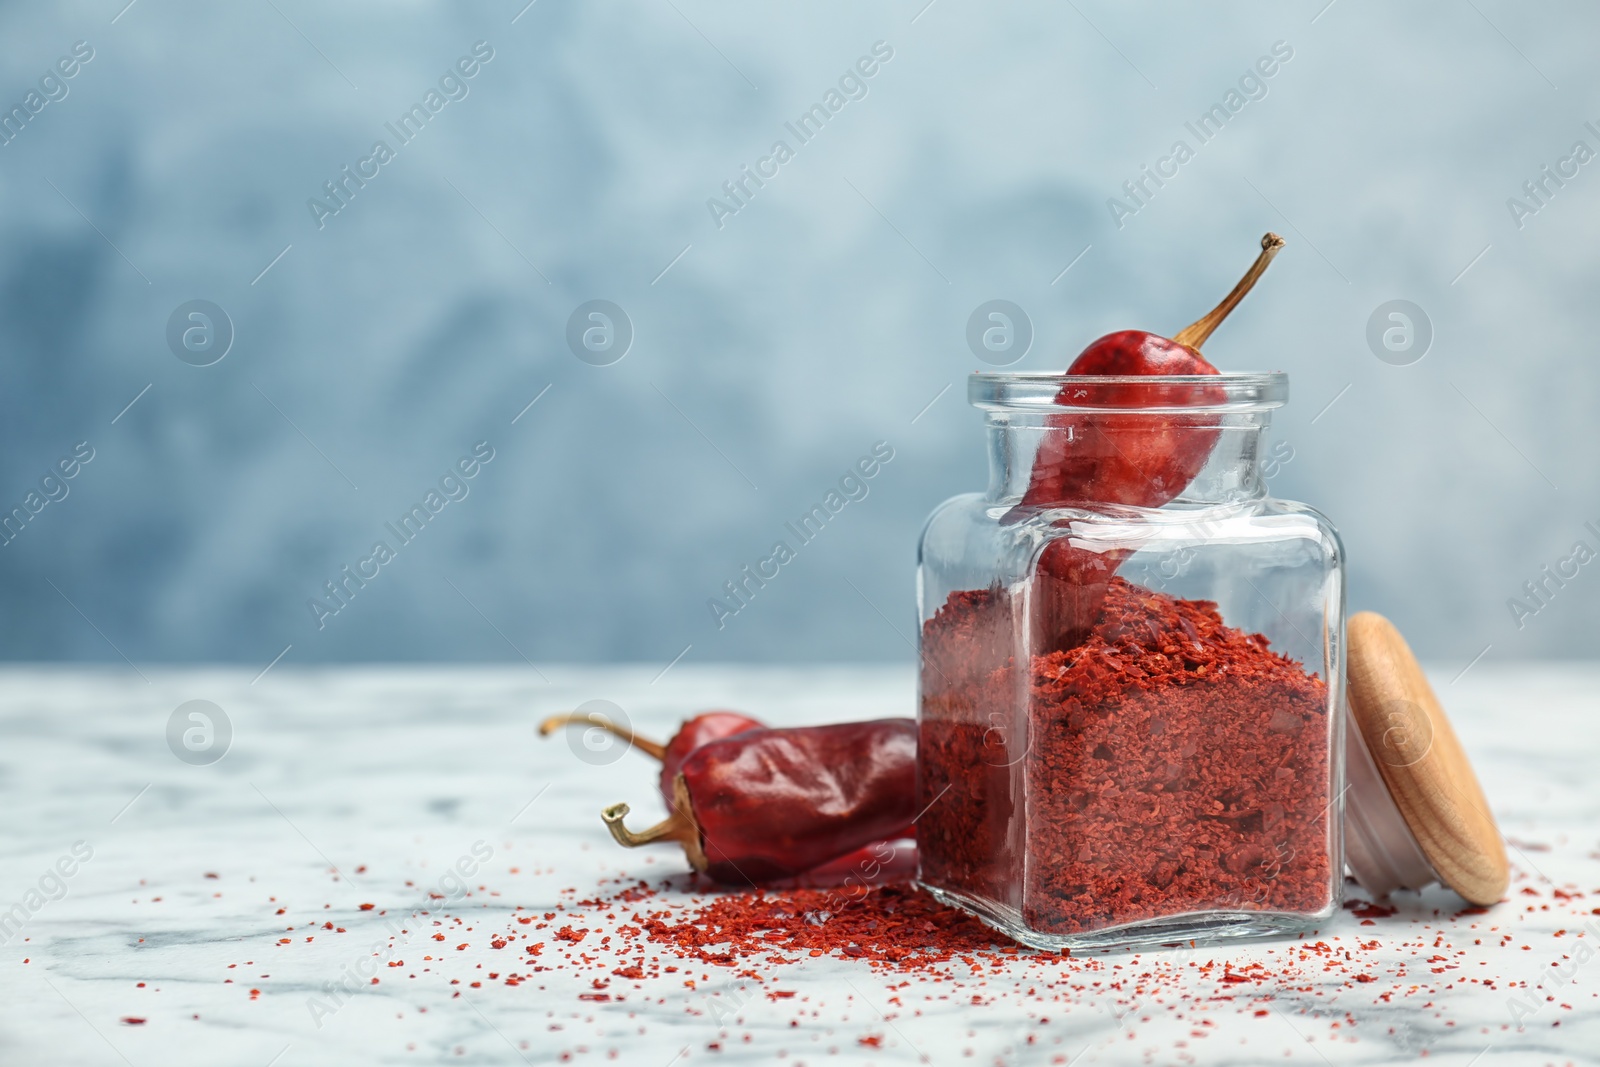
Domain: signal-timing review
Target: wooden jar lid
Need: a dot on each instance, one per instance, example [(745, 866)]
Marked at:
[(1421, 762)]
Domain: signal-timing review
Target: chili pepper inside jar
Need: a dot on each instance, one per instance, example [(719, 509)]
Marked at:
[(1128, 727)]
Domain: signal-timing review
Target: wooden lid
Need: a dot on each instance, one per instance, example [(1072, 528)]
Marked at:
[(1421, 762)]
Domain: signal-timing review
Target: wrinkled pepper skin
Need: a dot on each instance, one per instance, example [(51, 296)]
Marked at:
[(770, 804), (705, 727)]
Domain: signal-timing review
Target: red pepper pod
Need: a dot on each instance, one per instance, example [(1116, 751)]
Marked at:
[(1121, 457), (1116, 456), (769, 804)]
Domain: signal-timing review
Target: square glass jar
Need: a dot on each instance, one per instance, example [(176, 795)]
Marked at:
[(1129, 727)]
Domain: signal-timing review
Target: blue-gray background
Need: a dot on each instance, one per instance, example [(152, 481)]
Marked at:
[(821, 318)]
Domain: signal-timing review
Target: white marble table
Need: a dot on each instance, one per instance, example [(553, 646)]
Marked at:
[(362, 786)]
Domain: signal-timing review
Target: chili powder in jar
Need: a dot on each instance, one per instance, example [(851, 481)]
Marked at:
[(1173, 765), (1127, 733)]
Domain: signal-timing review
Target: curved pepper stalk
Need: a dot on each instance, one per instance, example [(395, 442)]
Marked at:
[(680, 826), (706, 726)]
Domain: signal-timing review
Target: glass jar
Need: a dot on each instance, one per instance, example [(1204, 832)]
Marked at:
[(1130, 666)]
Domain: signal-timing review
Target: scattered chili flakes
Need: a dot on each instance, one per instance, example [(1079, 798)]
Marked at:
[(895, 926)]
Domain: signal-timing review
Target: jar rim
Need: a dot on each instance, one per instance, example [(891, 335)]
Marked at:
[(1040, 390)]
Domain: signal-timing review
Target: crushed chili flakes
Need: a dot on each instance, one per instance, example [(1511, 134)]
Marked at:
[(671, 945), (1366, 909), (1168, 764), (895, 925)]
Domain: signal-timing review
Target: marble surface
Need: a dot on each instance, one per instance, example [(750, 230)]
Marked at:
[(351, 787)]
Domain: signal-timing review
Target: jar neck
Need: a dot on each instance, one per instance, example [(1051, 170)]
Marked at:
[(1235, 469)]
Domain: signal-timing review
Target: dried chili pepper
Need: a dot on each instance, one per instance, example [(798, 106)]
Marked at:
[(706, 726), (1143, 459), (767, 804), (1118, 456)]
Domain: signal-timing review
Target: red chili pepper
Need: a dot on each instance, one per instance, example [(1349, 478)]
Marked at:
[(706, 726), (765, 804), (1143, 460)]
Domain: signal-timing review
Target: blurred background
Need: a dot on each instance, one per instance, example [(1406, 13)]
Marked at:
[(355, 342)]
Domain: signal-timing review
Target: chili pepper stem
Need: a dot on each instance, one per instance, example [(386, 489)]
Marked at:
[(653, 749), (681, 826), (1195, 334), (673, 828)]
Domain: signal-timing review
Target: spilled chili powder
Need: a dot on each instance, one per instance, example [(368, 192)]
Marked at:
[(781, 971), (1168, 764), (895, 926)]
